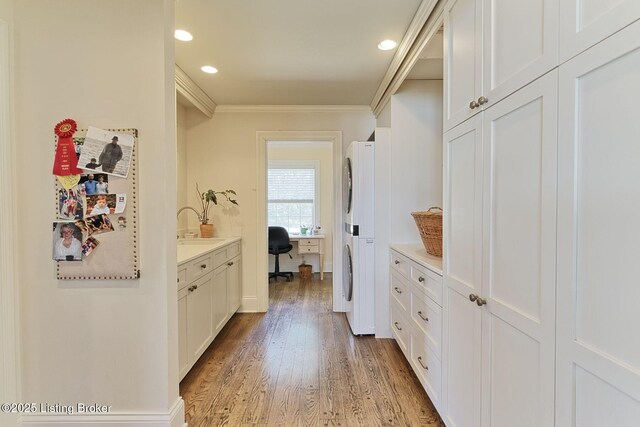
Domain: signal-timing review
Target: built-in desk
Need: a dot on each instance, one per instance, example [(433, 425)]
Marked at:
[(311, 244)]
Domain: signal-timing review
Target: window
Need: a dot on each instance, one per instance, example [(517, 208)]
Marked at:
[(292, 189)]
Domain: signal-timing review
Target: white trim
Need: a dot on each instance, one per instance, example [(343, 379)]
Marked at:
[(249, 305), (262, 261), (404, 48), (193, 93), (9, 301), (430, 27), (293, 109), (173, 418)]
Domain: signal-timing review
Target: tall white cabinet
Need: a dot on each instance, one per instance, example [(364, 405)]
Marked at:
[(598, 362), (541, 199)]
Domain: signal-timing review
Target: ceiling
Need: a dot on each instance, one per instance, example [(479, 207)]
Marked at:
[(290, 52)]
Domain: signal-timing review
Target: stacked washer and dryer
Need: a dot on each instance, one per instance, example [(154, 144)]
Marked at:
[(358, 255)]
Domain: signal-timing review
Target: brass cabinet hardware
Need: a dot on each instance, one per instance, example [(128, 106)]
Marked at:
[(420, 279), (230, 263), (473, 104), (482, 100), (481, 302), (203, 265), (396, 262), (473, 297), (426, 319)]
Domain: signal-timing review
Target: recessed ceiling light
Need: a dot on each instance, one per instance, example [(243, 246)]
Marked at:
[(209, 69), (386, 45), (183, 35)]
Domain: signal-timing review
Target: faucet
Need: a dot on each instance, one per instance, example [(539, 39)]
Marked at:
[(189, 207)]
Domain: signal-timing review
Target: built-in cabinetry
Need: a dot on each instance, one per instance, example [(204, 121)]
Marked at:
[(209, 293), (540, 201), (416, 313), (494, 48)]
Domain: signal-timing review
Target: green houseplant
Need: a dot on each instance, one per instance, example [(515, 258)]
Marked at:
[(207, 198)]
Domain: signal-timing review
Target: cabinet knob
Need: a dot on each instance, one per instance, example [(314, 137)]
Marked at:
[(396, 262), (423, 317), (481, 302), (473, 297), (473, 104), (397, 327), (191, 288), (178, 280), (420, 279), (422, 364), (482, 100), (397, 290), (203, 266), (230, 263)]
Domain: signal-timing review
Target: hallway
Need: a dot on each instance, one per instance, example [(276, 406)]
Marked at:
[(299, 365)]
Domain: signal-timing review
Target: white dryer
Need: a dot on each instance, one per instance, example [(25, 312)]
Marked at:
[(358, 255)]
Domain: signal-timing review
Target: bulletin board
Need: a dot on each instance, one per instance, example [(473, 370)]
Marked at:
[(116, 257)]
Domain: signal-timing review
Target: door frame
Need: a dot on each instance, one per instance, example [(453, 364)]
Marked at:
[(9, 303), (262, 260)]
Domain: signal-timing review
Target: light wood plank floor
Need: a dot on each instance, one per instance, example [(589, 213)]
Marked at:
[(299, 365)]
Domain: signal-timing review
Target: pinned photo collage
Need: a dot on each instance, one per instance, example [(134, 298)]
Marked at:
[(83, 211)]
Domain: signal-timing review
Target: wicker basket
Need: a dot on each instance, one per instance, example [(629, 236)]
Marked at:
[(430, 226), (306, 271)]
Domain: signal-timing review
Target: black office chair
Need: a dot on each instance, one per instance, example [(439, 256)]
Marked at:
[(279, 244)]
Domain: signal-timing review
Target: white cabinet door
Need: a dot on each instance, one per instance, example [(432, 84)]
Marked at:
[(598, 349), (199, 330), (219, 301), (235, 285), (463, 59), (520, 43), (183, 350), (518, 320), (587, 22), (462, 246)]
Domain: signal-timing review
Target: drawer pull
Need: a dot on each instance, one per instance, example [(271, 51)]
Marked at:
[(420, 279), (426, 319), (397, 290), (473, 297), (178, 280), (397, 327), (481, 301), (192, 288), (230, 263), (422, 364), (396, 262), (203, 266)]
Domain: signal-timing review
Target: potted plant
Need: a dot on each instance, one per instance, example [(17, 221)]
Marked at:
[(206, 199)]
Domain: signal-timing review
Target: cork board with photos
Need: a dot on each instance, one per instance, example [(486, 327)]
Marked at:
[(101, 212)]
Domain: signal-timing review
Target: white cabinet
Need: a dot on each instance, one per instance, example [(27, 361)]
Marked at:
[(416, 314), (209, 293), (493, 48), (587, 22), (499, 262), (598, 349)]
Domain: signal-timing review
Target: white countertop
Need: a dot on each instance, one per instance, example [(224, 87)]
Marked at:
[(417, 253), (189, 249)]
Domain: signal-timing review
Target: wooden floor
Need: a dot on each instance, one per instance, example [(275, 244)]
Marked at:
[(299, 365)]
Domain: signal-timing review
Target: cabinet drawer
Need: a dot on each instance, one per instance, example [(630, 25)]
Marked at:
[(313, 249), (308, 242), (400, 291), (400, 328), (182, 277), (399, 263), (199, 267), (427, 316), (426, 366), (233, 250), (427, 281)]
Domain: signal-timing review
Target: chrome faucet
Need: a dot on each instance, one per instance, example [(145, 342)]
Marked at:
[(189, 207)]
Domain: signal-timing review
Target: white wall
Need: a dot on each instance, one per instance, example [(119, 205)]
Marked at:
[(416, 163), (222, 154), (321, 151), (183, 189), (105, 64)]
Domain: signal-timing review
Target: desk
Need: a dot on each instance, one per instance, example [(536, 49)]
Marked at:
[(311, 244)]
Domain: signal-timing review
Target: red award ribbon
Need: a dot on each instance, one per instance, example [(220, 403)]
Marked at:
[(66, 161)]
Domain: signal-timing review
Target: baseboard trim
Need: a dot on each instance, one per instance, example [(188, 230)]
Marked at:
[(173, 418), (249, 305)]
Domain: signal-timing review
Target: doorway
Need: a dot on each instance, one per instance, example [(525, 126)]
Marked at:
[(293, 139)]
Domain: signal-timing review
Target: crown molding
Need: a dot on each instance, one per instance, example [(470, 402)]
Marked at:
[(192, 92), (406, 49), (293, 109)]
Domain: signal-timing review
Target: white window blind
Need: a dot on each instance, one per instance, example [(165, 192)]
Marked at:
[(291, 195)]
